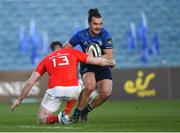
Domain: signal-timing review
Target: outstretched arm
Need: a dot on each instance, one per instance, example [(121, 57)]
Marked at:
[(29, 84), (108, 53), (100, 61)]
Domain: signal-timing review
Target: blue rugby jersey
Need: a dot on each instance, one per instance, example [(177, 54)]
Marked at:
[(83, 38)]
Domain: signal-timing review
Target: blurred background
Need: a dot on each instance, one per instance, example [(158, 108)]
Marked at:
[(145, 36)]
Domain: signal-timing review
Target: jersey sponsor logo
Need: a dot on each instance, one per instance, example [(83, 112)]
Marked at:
[(63, 98), (85, 43)]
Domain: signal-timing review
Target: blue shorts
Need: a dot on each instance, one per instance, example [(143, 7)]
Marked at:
[(100, 72)]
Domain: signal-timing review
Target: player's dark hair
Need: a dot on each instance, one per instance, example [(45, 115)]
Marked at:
[(54, 44), (93, 13)]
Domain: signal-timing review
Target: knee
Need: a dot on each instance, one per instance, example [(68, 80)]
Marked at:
[(90, 87), (40, 119), (105, 95), (88, 90)]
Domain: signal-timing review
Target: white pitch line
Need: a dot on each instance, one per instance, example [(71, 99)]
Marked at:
[(40, 127), (48, 127)]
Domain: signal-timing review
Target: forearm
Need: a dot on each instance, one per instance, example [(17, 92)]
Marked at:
[(29, 84), (107, 56), (100, 61), (25, 91), (107, 62)]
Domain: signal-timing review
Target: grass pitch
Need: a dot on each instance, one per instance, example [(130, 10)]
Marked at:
[(121, 116)]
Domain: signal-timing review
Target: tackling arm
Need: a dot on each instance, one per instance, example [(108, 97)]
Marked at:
[(29, 84), (108, 53), (100, 61)]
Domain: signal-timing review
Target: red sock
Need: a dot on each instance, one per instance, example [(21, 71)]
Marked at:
[(69, 106), (51, 119)]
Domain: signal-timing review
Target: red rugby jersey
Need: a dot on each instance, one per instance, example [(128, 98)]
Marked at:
[(62, 66)]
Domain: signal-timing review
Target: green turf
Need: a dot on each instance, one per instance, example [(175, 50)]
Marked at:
[(142, 115)]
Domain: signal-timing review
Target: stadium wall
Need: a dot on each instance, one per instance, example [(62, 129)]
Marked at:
[(153, 83), (145, 83)]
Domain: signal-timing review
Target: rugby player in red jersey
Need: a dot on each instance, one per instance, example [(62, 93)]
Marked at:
[(61, 65)]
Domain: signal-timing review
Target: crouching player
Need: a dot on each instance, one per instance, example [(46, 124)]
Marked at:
[(61, 65), (71, 103)]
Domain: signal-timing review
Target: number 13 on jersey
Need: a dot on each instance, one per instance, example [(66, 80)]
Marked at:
[(60, 61)]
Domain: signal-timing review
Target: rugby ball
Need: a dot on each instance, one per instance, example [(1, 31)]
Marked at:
[(94, 50)]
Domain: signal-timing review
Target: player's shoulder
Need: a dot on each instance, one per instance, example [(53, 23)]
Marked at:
[(104, 31), (74, 50), (70, 50), (82, 31), (104, 34), (64, 51), (53, 54)]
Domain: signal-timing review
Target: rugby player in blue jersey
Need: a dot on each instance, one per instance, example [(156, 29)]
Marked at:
[(93, 76)]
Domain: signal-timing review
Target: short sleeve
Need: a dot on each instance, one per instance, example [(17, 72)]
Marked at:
[(75, 39), (107, 40), (41, 69)]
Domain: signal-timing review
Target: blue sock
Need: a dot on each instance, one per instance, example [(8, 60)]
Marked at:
[(77, 113), (87, 109)]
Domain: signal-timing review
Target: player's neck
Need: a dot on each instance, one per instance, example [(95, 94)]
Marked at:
[(92, 34)]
